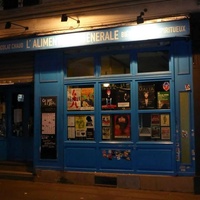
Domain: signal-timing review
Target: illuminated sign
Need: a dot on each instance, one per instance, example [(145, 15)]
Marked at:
[(112, 35)]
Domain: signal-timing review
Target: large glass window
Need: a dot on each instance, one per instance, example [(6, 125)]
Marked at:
[(154, 125), (155, 61), (115, 64)]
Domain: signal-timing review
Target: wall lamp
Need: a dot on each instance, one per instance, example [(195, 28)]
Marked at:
[(9, 24), (64, 18), (140, 19)]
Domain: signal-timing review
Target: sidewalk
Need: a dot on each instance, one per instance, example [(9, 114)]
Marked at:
[(27, 190)]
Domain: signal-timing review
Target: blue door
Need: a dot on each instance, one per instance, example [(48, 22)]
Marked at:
[(20, 123)]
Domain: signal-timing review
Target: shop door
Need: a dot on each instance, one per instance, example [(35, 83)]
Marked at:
[(20, 125)]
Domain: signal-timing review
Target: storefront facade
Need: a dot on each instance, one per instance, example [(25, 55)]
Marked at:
[(115, 100)]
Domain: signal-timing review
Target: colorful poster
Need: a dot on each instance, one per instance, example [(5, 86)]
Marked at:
[(106, 120), (74, 98), (123, 95), (106, 133), (165, 133), (163, 100), (122, 126), (146, 95), (80, 125), (155, 132), (87, 98), (164, 120), (155, 119)]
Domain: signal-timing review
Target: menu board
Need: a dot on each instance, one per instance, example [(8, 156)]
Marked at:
[(48, 128)]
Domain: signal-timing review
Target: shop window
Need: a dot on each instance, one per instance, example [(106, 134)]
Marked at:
[(80, 97), (2, 115), (154, 127), (116, 126), (115, 64), (80, 127), (156, 61), (115, 96), (154, 95), (80, 67)]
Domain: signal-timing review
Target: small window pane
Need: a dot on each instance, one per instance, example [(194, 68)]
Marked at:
[(116, 127), (80, 67), (80, 97), (153, 61), (80, 127), (154, 127), (115, 96), (115, 64)]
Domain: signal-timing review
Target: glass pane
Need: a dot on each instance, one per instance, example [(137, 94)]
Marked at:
[(154, 95), (153, 61), (17, 114), (80, 67), (116, 127), (115, 96), (154, 127), (2, 115), (80, 97), (80, 127), (115, 64)]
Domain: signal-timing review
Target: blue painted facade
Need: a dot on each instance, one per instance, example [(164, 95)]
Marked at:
[(131, 156)]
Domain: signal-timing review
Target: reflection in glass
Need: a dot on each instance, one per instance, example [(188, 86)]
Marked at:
[(80, 67), (153, 61), (115, 64)]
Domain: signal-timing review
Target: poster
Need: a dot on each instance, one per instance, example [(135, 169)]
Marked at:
[(146, 94), (87, 98), (165, 133), (155, 119), (106, 120), (164, 120), (106, 133), (74, 98), (48, 128), (123, 101), (155, 132), (122, 126), (48, 123), (163, 100)]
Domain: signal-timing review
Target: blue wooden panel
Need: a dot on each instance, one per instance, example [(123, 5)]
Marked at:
[(3, 151), (154, 160), (80, 157), (116, 159)]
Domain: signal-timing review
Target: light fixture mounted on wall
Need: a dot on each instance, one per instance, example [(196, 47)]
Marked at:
[(64, 18), (140, 18), (9, 24)]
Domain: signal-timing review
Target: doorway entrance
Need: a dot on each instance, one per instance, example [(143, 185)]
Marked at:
[(17, 118)]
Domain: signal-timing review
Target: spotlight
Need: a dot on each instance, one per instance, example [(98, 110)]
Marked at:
[(64, 18), (140, 19), (9, 24)]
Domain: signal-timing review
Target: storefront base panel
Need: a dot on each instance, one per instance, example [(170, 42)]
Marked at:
[(140, 182)]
